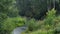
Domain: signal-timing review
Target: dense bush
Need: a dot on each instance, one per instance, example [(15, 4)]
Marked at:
[(34, 24), (2, 17), (47, 23), (31, 24), (50, 25), (43, 32), (10, 23), (50, 16), (9, 18), (7, 9), (57, 25)]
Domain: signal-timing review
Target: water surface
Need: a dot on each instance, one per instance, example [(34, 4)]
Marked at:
[(19, 30)]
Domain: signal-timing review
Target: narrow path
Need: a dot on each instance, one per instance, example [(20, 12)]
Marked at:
[(19, 30)]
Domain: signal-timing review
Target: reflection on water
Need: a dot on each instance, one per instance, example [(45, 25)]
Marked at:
[(19, 30)]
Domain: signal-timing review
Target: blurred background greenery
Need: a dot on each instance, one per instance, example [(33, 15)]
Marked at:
[(40, 16)]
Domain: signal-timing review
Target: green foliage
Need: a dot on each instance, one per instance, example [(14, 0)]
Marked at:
[(2, 17), (34, 24), (42, 32), (31, 24), (7, 9), (37, 8), (57, 25), (19, 21), (29, 8), (46, 26), (32, 8), (50, 16), (11, 23), (8, 24)]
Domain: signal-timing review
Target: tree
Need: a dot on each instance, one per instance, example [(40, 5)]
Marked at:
[(36, 8), (7, 9), (32, 8)]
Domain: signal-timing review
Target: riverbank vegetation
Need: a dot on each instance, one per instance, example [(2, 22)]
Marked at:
[(39, 16), (50, 25)]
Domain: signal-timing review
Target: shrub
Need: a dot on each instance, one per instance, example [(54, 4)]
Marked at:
[(2, 17), (46, 26), (50, 16), (31, 24), (10, 23), (42, 32), (19, 21), (57, 25), (57, 28)]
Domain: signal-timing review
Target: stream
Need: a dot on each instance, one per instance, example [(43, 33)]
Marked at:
[(19, 30)]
